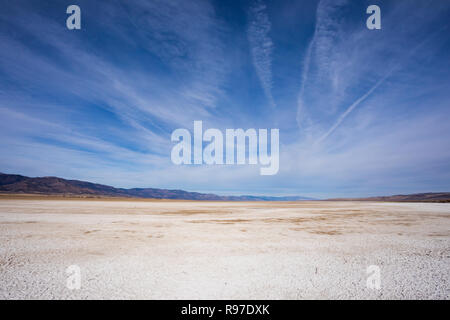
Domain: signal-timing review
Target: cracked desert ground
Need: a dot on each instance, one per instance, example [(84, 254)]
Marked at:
[(132, 249)]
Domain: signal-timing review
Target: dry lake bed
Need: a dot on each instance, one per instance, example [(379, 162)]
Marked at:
[(129, 249)]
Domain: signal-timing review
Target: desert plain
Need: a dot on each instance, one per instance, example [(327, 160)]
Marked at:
[(162, 249)]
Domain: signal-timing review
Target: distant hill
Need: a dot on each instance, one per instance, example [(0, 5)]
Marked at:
[(417, 197), (17, 184)]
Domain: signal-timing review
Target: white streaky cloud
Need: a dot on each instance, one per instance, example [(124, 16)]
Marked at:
[(302, 117), (351, 107), (147, 106), (196, 53), (261, 47), (318, 49), (374, 87), (187, 36), (71, 140), (345, 63)]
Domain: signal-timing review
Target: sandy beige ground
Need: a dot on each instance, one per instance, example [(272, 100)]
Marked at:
[(219, 250)]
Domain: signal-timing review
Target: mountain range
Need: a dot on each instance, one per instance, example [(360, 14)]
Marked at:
[(18, 184), (416, 197)]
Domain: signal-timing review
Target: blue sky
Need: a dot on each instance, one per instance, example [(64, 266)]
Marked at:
[(361, 112)]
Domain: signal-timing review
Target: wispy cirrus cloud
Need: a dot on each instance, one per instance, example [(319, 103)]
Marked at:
[(187, 36), (371, 106), (317, 59), (261, 46), (318, 51), (163, 69), (367, 94), (346, 63)]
